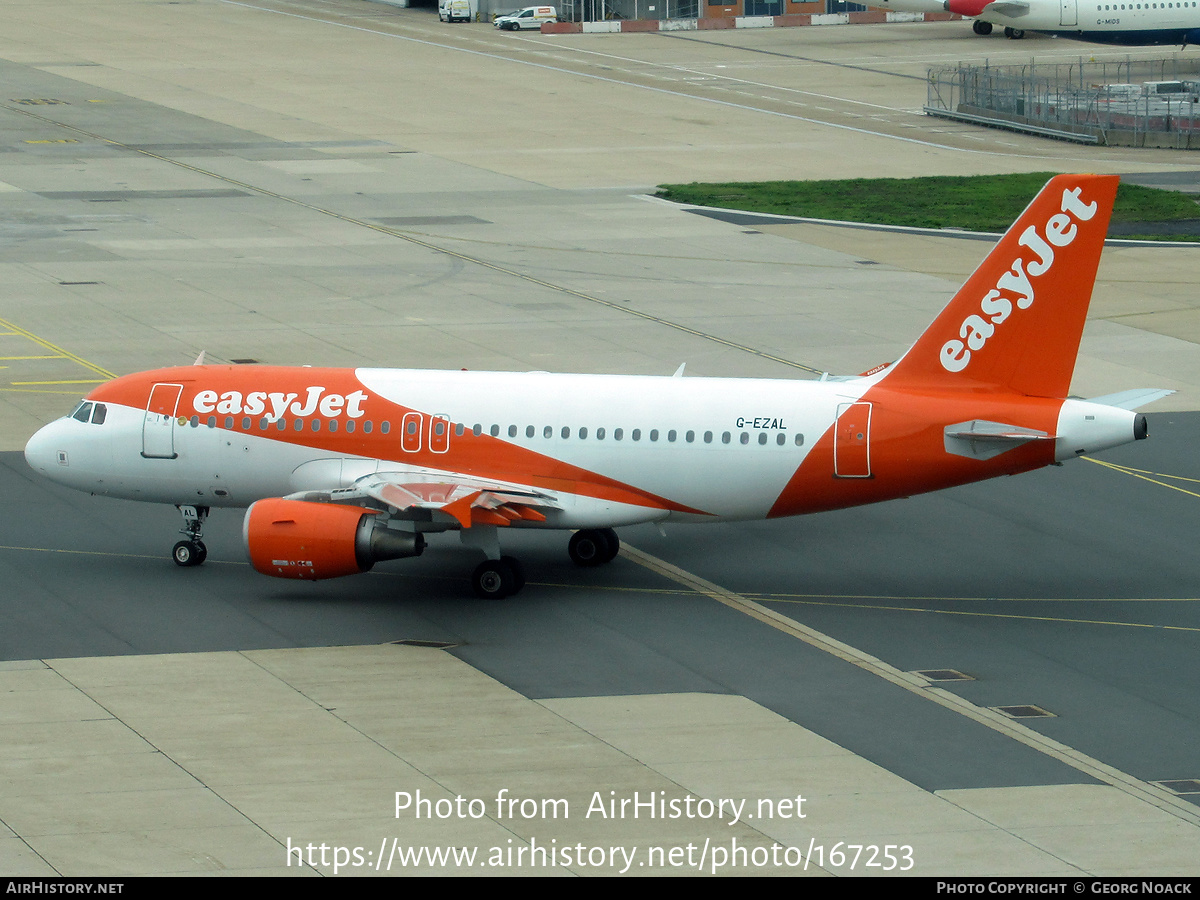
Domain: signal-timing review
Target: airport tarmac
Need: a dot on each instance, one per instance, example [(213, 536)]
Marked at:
[(345, 183)]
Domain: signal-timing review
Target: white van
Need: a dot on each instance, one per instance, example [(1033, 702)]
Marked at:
[(454, 10), (528, 18)]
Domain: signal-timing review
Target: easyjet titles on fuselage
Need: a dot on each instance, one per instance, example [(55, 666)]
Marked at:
[(975, 330), (275, 405)]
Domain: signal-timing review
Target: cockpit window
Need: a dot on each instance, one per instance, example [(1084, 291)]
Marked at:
[(87, 411)]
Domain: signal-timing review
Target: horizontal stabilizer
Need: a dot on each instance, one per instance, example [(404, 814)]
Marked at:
[(981, 439), (1133, 399)]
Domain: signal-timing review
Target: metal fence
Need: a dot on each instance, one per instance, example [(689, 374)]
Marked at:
[(1130, 102)]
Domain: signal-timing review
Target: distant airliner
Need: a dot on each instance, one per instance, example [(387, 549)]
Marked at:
[(1133, 24), (341, 468), (1175, 22)]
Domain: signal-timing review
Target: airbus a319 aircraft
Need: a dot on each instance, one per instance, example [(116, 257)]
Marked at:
[(342, 468)]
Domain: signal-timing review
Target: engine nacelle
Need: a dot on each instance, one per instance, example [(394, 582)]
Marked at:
[(970, 8), (300, 539)]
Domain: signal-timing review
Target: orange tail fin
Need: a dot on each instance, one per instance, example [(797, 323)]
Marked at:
[(1016, 323)]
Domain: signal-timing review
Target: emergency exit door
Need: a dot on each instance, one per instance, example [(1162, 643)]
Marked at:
[(852, 441)]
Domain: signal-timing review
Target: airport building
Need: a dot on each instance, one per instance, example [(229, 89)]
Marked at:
[(634, 10)]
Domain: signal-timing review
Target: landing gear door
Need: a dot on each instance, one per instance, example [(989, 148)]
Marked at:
[(158, 428), (852, 441)]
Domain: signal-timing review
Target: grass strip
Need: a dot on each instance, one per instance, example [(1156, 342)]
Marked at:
[(987, 203)]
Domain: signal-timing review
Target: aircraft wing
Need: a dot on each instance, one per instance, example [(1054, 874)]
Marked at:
[(1012, 9), (468, 501)]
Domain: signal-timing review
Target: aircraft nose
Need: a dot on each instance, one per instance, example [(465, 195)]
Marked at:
[(45, 452)]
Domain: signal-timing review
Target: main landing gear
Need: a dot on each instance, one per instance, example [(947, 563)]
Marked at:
[(980, 27), (593, 546), (495, 579), (191, 552)]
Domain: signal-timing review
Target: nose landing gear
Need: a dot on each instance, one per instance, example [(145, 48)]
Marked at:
[(191, 552)]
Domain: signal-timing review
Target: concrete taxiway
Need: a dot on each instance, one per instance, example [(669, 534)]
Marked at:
[(345, 183)]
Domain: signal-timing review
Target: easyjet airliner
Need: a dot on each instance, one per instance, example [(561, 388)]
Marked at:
[(342, 468)]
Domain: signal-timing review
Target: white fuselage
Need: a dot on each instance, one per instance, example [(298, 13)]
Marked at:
[(723, 447)]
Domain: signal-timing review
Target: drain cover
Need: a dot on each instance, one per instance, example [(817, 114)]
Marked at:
[(944, 675), (1024, 712), (1183, 785)]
